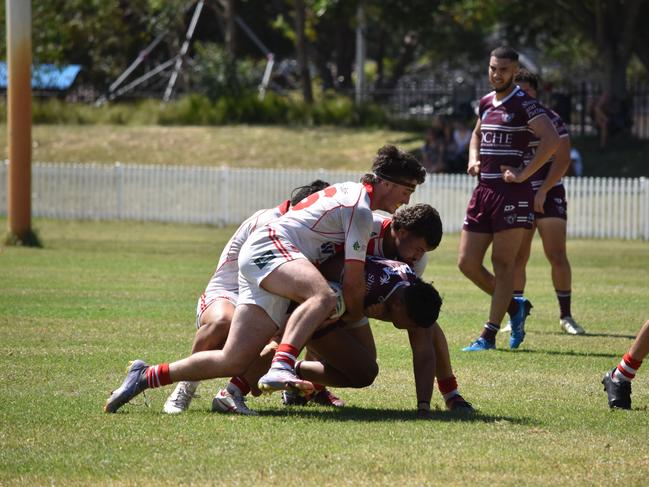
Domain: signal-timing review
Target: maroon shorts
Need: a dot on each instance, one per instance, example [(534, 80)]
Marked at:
[(555, 205), (493, 209)]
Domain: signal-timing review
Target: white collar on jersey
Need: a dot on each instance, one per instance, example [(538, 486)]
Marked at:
[(497, 103)]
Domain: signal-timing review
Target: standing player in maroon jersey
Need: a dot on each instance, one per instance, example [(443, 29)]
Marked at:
[(499, 211), (550, 215)]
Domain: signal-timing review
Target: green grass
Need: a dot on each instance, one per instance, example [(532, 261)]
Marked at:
[(271, 147), (100, 293)]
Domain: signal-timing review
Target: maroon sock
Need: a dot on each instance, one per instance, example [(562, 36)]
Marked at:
[(564, 302), (489, 331)]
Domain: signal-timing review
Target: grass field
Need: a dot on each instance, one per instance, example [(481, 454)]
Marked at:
[(100, 293), (272, 146)]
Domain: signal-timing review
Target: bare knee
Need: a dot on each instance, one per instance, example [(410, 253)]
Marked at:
[(211, 335), (557, 258), (467, 265), (364, 377)]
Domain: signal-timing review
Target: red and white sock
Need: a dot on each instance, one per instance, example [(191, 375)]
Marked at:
[(157, 375), (285, 357), (238, 386), (448, 388), (626, 369)]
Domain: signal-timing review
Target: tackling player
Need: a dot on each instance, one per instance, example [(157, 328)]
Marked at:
[(216, 305), (276, 265)]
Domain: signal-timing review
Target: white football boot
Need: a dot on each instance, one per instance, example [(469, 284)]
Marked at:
[(179, 400), (224, 402)]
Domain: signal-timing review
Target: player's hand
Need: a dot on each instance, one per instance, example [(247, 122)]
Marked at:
[(474, 168), (510, 174), (539, 200)]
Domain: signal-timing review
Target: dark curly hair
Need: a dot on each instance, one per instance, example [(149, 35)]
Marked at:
[(423, 303), (395, 165), (525, 76), (301, 192), (421, 219)]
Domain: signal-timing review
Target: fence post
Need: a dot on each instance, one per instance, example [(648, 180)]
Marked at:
[(119, 189), (644, 208), (224, 207)]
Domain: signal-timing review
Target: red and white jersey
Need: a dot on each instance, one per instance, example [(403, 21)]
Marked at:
[(337, 217), (504, 132), (380, 227), (226, 274), (383, 277), (539, 176)]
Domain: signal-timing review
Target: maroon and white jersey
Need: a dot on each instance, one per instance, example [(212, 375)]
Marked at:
[(225, 276), (504, 132), (539, 176), (383, 277), (336, 217), (380, 227)]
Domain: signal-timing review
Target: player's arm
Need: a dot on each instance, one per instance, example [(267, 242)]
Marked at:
[(353, 290), (548, 143), (473, 168), (423, 362), (557, 170)]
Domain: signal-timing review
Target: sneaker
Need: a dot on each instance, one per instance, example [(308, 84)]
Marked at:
[(518, 322), (283, 379), (458, 404), (619, 393), (224, 402), (326, 398), (507, 328), (570, 326), (179, 400), (292, 398), (479, 345), (129, 388)]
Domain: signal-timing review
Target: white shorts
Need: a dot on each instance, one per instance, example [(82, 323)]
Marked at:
[(260, 255), (208, 297)]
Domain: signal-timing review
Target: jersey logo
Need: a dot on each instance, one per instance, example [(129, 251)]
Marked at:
[(264, 259), (507, 117), (520, 93), (356, 246), (510, 219), (328, 248), (509, 207)]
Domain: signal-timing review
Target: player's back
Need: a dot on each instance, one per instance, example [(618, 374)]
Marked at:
[(319, 224)]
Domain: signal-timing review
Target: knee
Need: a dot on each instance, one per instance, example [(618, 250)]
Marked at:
[(365, 377), (466, 265), (557, 258), (503, 264)]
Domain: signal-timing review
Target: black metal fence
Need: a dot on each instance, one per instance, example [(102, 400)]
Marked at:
[(574, 103)]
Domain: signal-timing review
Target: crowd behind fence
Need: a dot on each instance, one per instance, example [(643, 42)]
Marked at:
[(598, 207), (574, 102)]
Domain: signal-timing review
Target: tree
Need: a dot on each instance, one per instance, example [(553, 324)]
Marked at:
[(301, 48)]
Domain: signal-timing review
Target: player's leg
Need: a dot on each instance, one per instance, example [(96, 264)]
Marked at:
[(300, 281), (214, 315), (473, 247), (250, 330), (553, 235), (322, 395), (349, 358), (617, 382), (520, 274)]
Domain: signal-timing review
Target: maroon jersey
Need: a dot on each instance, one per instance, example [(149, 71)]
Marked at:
[(383, 277), (539, 176), (504, 132)]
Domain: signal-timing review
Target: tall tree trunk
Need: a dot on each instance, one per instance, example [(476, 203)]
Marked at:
[(301, 47), (230, 12)]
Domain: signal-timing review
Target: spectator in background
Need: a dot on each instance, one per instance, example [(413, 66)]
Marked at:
[(576, 164), (458, 149), (433, 151)]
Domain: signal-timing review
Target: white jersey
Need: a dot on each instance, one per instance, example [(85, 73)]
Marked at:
[(338, 217), (225, 276), (380, 227)]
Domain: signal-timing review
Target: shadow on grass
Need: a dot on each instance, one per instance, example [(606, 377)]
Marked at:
[(361, 414), (586, 335), (569, 353)]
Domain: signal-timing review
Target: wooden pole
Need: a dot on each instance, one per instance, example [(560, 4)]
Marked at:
[(19, 116)]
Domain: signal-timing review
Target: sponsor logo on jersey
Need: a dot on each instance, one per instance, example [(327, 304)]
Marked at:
[(507, 117), (356, 246), (328, 248), (510, 219), (264, 259), (520, 93)]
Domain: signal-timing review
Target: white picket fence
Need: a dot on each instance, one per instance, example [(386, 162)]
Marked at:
[(598, 207)]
